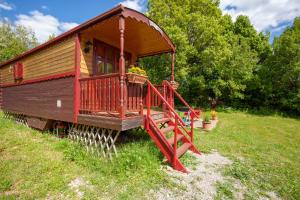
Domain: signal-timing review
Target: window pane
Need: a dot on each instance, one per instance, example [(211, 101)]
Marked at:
[(109, 68), (100, 51), (100, 66), (109, 54)]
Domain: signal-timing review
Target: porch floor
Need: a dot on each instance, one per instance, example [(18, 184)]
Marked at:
[(111, 120)]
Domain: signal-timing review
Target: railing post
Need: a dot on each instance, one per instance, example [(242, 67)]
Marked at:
[(148, 106), (141, 101), (175, 141)]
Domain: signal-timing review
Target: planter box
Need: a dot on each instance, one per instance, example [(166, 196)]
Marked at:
[(174, 85), (136, 78)]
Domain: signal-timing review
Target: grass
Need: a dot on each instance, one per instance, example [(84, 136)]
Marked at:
[(35, 165), (265, 151)]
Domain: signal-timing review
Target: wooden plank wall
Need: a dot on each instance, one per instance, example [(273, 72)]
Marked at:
[(40, 99), (56, 59), (86, 61)]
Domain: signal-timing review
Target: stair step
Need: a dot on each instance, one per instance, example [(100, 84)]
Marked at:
[(167, 129), (181, 150), (162, 120), (171, 140)]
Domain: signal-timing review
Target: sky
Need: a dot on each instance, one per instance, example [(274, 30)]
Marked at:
[(47, 17)]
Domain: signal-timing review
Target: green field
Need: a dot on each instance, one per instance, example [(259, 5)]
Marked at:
[(265, 151)]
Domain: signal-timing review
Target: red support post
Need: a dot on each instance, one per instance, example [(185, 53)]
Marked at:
[(141, 101), (175, 142), (76, 79), (122, 109), (173, 66), (148, 105)]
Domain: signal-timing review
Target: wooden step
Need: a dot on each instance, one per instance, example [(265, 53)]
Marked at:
[(162, 120), (167, 129), (181, 150), (171, 140)]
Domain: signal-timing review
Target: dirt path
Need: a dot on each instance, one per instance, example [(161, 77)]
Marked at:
[(202, 182)]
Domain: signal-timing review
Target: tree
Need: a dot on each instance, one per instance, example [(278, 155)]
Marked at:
[(215, 57), (281, 72), (14, 40), (51, 36)]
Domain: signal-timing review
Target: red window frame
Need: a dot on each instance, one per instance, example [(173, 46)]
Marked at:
[(114, 61)]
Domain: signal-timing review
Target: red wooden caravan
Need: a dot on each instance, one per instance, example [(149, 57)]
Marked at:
[(78, 81)]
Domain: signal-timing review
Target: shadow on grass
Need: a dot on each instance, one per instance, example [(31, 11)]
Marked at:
[(133, 135)]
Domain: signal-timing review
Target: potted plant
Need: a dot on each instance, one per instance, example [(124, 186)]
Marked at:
[(206, 123), (213, 114), (174, 84), (136, 75)]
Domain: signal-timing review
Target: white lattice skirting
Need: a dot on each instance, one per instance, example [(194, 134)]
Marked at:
[(97, 140)]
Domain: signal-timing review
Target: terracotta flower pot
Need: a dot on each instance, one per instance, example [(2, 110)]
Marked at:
[(214, 118), (206, 125), (136, 78)]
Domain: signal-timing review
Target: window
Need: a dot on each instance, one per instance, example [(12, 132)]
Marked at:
[(106, 58), (18, 71)]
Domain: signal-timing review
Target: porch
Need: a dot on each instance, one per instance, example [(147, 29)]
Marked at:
[(105, 52), (100, 102)]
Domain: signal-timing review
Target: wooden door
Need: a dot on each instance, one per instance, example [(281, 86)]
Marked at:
[(106, 58)]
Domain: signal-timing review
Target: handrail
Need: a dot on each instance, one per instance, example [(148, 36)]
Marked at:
[(99, 77), (150, 86), (182, 100)]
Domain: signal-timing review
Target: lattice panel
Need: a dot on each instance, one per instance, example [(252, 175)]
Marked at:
[(97, 140), (18, 118)]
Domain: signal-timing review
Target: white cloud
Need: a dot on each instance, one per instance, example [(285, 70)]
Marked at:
[(5, 6), (264, 14), (43, 25), (138, 5), (44, 7), (65, 26)]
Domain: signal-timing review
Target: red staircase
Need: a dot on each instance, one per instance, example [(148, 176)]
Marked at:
[(169, 131)]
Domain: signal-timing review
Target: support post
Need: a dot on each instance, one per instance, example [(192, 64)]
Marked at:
[(148, 103), (76, 79), (122, 109), (172, 79), (173, 66)]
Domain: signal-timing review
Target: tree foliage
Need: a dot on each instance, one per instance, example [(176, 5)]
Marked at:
[(280, 75), (220, 59), (14, 40)]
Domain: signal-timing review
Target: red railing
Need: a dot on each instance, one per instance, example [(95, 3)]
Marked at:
[(191, 111), (178, 121), (134, 97), (155, 100), (99, 94)]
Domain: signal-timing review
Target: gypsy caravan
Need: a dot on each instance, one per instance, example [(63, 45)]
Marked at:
[(80, 82)]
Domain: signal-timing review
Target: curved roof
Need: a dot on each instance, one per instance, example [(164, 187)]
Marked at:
[(118, 10)]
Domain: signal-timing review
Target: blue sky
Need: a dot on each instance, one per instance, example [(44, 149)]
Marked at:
[(47, 17)]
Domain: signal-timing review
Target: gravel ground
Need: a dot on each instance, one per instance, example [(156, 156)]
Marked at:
[(201, 182)]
